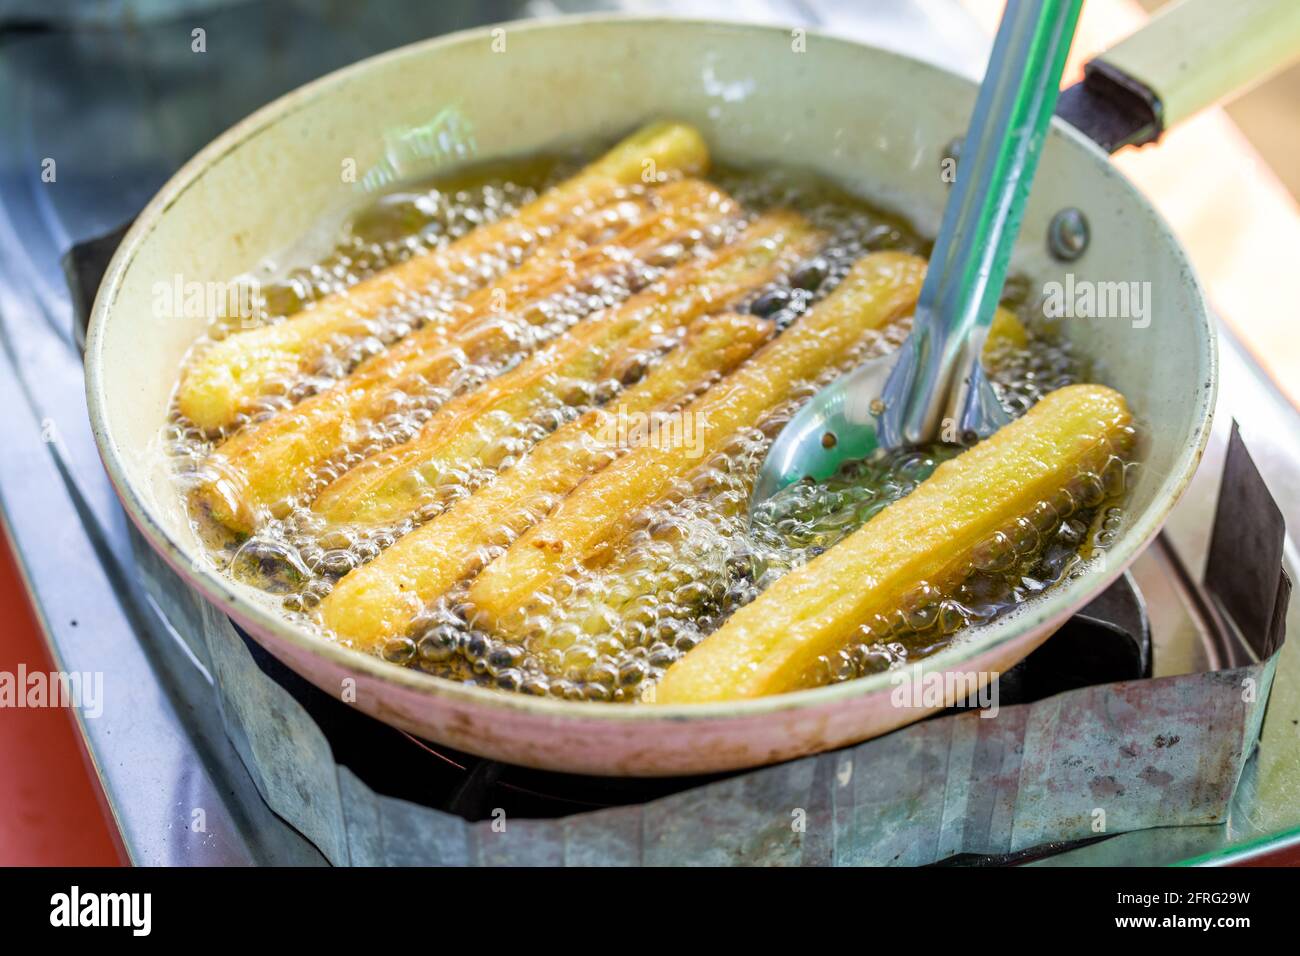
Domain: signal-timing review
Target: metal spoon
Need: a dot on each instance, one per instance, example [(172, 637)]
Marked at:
[(934, 387)]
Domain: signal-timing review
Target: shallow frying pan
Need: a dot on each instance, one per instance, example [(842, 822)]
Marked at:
[(875, 121)]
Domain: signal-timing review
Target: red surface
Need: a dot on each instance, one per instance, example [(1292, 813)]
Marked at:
[(53, 813), (1286, 856)]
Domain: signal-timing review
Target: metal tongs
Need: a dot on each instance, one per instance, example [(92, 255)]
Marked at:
[(934, 387)]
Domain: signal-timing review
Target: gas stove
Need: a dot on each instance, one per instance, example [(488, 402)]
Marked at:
[(95, 116)]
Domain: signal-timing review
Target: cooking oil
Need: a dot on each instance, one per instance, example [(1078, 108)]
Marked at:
[(608, 631)]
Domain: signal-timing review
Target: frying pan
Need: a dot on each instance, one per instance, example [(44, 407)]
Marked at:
[(876, 122)]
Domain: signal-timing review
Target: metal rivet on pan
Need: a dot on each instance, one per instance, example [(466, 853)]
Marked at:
[(1068, 234)]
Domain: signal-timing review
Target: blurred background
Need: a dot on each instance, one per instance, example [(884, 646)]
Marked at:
[(117, 95)]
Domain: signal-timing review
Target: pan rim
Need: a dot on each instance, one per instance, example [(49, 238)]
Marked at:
[(973, 642)]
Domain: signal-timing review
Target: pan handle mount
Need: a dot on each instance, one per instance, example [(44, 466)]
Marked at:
[(1191, 55)]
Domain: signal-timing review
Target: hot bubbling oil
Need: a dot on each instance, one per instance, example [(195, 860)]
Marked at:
[(609, 632), (688, 562)]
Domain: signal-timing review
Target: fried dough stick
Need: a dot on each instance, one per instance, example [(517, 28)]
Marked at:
[(931, 536), (231, 375), (881, 288), (388, 487), (259, 469), (633, 577), (382, 598)]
